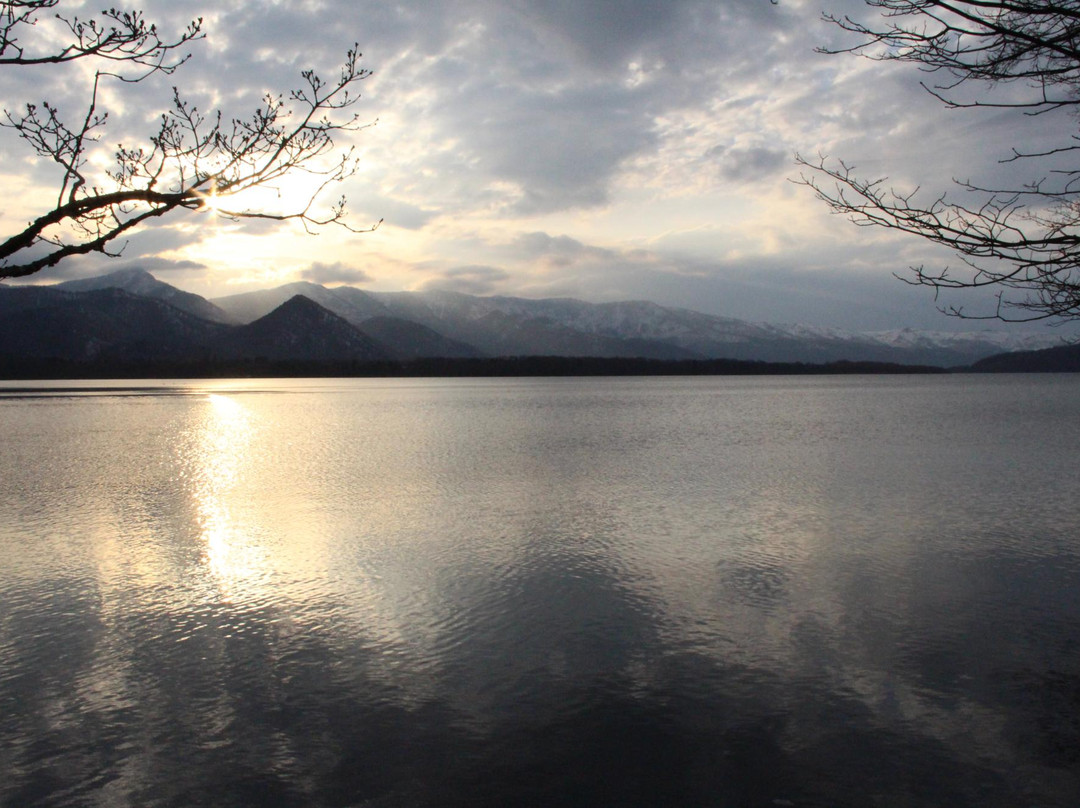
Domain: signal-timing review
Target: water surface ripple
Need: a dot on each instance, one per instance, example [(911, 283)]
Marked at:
[(541, 592)]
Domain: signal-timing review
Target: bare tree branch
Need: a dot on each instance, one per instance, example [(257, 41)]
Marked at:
[(193, 161), (1024, 241), (119, 36)]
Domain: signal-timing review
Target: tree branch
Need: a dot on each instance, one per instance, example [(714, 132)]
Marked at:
[(1025, 241), (193, 161)]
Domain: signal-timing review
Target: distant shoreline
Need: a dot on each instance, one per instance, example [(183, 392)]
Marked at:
[(13, 368)]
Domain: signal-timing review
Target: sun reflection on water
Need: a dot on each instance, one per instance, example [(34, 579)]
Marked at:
[(232, 557)]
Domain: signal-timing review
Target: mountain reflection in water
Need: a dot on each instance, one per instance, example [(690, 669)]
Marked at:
[(730, 592)]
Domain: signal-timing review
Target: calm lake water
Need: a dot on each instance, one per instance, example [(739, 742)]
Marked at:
[(839, 591)]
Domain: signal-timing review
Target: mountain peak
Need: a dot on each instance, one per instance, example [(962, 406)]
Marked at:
[(302, 309), (131, 279), (139, 282), (345, 321), (300, 302), (300, 330)]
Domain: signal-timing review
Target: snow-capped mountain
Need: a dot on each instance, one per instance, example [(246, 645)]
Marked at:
[(999, 341), (450, 324), (140, 283)]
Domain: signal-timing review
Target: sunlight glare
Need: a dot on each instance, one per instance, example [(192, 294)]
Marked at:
[(210, 202), (232, 558)]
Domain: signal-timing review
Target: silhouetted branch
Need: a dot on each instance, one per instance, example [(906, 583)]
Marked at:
[(1024, 240), (119, 36), (192, 161)]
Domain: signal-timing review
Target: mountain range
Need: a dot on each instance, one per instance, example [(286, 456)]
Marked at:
[(130, 316)]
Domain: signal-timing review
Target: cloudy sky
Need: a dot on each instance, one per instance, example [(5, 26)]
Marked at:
[(599, 149)]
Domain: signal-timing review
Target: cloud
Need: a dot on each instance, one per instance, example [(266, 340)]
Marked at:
[(157, 264), (555, 249), (72, 269), (536, 108), (550, 150), (334, 273), (750, 163), (515, 109), (606, 148), (607, 35), (473, 280), (92, 266), (374, 207)]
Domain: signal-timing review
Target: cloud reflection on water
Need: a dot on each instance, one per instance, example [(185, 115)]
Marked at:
[(618, 592)]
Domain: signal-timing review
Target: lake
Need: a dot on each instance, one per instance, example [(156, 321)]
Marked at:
[(779, 591)]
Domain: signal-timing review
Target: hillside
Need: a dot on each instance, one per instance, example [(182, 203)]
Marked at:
[(1059, 359), (140, 283), (298, 330), (132, 314)]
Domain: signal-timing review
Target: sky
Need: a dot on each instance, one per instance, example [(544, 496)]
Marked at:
[(597, 149)]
